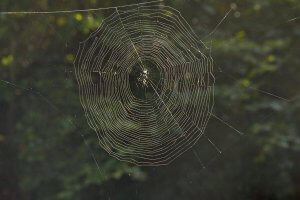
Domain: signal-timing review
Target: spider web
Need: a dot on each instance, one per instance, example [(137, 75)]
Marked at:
[(145, 84)]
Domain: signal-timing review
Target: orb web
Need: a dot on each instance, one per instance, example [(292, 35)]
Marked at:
[(145, 84)]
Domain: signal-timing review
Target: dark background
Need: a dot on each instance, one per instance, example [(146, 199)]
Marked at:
[(47, 148)]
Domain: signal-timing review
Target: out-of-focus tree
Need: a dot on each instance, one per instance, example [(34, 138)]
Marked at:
[(45, 154)]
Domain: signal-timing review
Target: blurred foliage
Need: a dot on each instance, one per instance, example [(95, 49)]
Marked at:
[(47, 151)]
